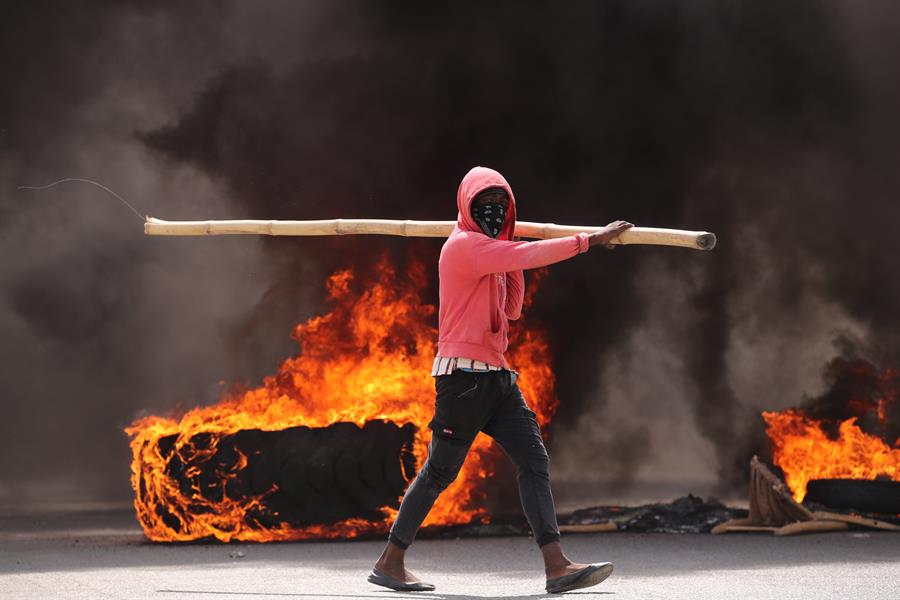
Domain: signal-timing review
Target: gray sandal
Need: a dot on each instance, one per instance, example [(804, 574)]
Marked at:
[(383, 579), (586, 577)]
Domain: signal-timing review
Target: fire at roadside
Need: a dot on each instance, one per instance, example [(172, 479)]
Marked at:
[(342, 426), (850, 432)]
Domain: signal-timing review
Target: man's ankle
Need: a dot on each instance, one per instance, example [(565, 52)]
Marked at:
[(554, 559), (393, 555)]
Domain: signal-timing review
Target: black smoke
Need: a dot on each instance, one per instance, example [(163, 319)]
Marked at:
[(773, 125), (858, 388)]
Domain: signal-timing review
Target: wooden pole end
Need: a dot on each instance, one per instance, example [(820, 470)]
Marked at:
[(706, 241)]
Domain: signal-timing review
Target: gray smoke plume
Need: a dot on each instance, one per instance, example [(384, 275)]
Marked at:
[(775, 127)]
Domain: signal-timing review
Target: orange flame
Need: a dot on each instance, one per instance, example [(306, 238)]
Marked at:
[(368, 358), (804, 451)]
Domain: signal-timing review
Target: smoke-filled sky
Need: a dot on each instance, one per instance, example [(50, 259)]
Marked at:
[(773, 124)]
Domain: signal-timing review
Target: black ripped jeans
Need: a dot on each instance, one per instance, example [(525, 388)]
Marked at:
[(467, 403)]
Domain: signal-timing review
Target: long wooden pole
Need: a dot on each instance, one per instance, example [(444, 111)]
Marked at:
[(699, 240)]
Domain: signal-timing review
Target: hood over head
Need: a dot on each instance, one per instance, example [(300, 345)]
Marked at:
[(476, 181)]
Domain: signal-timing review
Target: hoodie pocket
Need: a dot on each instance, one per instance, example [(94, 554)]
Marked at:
[(495, 340)]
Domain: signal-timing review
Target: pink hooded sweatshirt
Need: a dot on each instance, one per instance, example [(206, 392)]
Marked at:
[(481, 280)]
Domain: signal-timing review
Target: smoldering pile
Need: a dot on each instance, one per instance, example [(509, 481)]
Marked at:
[(687, 514)]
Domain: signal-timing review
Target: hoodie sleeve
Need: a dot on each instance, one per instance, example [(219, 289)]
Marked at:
[(515, 294), (487, 255)]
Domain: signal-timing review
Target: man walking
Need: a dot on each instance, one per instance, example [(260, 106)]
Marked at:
[(481, 287)]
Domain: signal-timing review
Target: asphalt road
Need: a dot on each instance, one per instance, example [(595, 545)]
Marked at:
[(102, 556)]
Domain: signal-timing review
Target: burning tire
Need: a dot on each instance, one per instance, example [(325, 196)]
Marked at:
[(263, 485), (871, 496), (342, 470)]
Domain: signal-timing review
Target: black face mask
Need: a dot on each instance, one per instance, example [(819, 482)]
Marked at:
[(490, 216)]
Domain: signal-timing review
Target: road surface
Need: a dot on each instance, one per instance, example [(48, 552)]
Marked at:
[(101, 555)]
